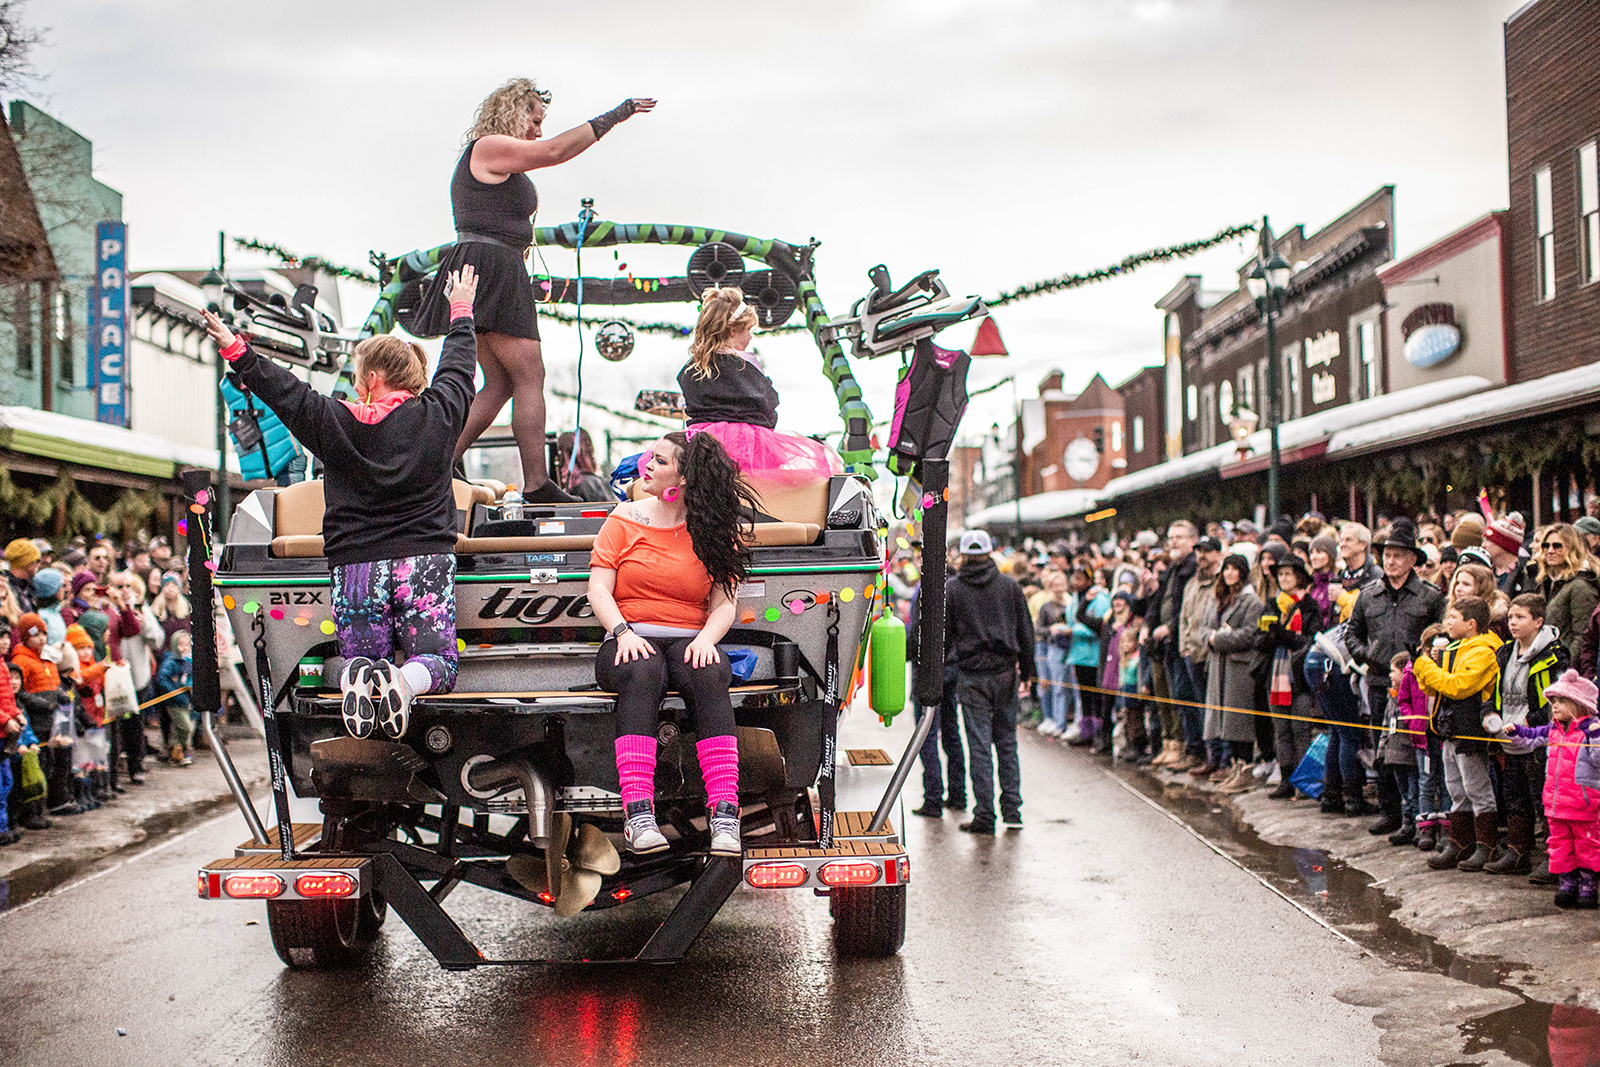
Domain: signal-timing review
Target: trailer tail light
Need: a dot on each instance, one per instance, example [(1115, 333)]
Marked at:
[(325, 885), (836, 874), (776, 875), (252, 885), (621, 894), (546, 898), (905, 869), (202, 881)]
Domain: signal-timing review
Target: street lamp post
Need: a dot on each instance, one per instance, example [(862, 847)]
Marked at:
[(1267, 284)]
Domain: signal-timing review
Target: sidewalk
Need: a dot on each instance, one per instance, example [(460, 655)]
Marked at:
[(1542, 951), (170, 798)]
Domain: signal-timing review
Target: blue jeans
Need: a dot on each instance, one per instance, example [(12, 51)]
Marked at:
[(946, 731), (1432, 799), (1058, 686), (1180, 679), (1343, 772)]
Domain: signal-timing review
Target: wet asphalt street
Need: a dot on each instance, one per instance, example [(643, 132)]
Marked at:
[(1103, 932)]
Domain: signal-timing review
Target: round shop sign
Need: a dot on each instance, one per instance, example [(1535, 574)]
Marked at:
[(1431, 345)]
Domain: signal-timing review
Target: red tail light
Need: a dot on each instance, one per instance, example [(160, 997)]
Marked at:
[(325, 885), (848, 873), (252, 885), (905, 869), (776, 875), (203, 893), (546, 898), (619, 895)]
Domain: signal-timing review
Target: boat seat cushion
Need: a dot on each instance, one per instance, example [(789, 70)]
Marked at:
[(297, 515), (766, 535)]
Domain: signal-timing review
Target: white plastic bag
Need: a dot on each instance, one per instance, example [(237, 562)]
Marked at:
[(122, 699)]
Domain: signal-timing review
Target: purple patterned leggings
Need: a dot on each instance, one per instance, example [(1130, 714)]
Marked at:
[(407, 603)]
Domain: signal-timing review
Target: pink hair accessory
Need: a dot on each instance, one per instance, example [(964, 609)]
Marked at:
[(671, 495)]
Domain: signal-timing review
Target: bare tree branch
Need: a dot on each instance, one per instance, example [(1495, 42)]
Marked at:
[(17, 41)]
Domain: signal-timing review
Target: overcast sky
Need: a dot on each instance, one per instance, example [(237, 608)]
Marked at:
[(1002, 141)]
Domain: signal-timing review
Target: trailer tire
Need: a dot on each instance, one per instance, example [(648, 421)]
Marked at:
[(322, 934), (869, 922)]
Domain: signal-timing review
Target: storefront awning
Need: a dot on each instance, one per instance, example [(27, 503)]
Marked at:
[(1554, 392), (1306, 436), (80, 442), (1039, 508)]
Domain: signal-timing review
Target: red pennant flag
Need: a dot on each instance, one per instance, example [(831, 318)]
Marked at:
[(988, 342)]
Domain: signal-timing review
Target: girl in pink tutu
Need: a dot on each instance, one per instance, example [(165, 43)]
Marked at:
[(729, 397)]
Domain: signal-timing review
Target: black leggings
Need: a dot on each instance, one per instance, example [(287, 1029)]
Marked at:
[(641, 684), (1093, 704)]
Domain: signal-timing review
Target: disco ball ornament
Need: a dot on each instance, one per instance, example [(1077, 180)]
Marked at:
[(614, 341)]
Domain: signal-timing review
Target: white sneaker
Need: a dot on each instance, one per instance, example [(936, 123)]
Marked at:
[(640, 833), (723, 818), (355, 697), (391, 698), (1049, 728)]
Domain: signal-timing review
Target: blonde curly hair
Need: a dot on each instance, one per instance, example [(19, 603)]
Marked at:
[(505, 111), (722, 311)]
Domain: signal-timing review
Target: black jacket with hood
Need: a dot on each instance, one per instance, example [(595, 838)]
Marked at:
[(986, 621)]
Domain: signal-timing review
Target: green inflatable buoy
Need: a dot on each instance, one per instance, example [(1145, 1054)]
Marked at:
[(888, 640)]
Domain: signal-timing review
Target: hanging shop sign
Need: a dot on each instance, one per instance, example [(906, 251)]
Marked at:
[(108, 323), (1429, 335)]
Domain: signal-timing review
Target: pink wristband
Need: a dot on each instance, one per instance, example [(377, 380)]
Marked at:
[(460, 310), (234, 350)]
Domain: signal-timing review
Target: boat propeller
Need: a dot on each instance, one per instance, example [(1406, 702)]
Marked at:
[(573, 867)]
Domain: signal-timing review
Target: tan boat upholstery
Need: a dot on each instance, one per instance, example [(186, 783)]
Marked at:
[(804, 504), (766, 535), (297, 516)]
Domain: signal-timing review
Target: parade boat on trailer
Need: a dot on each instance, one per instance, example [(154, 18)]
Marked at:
[(510, 782)]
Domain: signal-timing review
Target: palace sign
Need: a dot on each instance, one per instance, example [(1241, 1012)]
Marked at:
[(108, 323)]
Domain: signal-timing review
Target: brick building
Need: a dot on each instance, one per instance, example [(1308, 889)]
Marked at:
[(1144, 412), (1072, 442), (1552, 125)]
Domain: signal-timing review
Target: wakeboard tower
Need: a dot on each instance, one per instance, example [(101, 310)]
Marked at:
[(509, 783)]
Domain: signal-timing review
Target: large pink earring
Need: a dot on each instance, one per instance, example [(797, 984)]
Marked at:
[(671, 495)]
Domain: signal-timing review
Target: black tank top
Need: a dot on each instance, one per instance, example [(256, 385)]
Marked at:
[(500, 211)]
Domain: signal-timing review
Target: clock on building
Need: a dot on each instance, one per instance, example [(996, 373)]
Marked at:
[(1081, 459)]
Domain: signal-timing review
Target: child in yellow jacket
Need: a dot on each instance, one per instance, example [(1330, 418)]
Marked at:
[(1461, 680)]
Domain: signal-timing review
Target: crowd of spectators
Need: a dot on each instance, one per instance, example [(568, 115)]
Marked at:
[(96, 641), (1412, 675)]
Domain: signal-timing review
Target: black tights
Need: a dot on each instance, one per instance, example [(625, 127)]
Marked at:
[(641, 684)]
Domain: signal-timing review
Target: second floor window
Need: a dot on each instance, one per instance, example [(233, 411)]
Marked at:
[(1544, 229), (1138, 433), (1589, 212)]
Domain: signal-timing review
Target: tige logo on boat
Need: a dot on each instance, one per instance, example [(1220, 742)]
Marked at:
[(534, 608)]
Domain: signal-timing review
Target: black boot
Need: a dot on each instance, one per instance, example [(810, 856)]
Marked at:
[(61, 797), (1406, 835), (1447, 857), (1516, 859), (1332, 803), (1285, 791), (1356, 804), (1387, 823), (1486, 825), (33, 816), (1427, 834)]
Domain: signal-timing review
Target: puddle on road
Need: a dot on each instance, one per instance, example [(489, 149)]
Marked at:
[(1535, 1032)]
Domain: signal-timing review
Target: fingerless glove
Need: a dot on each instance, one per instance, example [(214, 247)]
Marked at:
[(601, 124)]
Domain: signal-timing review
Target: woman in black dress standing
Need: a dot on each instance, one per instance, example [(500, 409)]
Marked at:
[(493, 202)]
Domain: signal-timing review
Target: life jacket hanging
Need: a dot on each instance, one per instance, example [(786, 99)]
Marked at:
[(928, 403)]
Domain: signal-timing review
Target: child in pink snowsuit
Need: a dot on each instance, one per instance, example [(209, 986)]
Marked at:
[(1571, 787)]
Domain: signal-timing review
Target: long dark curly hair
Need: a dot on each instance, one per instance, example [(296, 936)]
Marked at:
[(715, 495)]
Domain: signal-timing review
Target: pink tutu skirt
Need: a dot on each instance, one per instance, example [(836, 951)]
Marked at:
[(774, 457)]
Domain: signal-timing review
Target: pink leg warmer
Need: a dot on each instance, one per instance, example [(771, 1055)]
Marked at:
[(636, 767), (719, 766)]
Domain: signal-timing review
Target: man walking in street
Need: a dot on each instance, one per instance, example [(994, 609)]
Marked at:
[(1388, 619), (946, 732), (987, 624)]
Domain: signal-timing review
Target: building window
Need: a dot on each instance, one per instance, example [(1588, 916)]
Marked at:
[(1191, 402), (1116, 435), (1208, 415), (1138, 433), (1589, 212), (1245, 392), (1365, 368), (1544, 229), (1291, 382), (22, 324), (1225, 400), (63, 331)]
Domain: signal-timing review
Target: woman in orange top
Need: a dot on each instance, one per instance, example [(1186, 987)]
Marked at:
[(663, 575)]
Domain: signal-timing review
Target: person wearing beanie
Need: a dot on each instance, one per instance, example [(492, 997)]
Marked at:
[(22, 563), (1448, 561), (1571, 787), (1468, 532), (47, 586), (1389, 617), (1589, 527), (48, 704), (1502, 540)]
